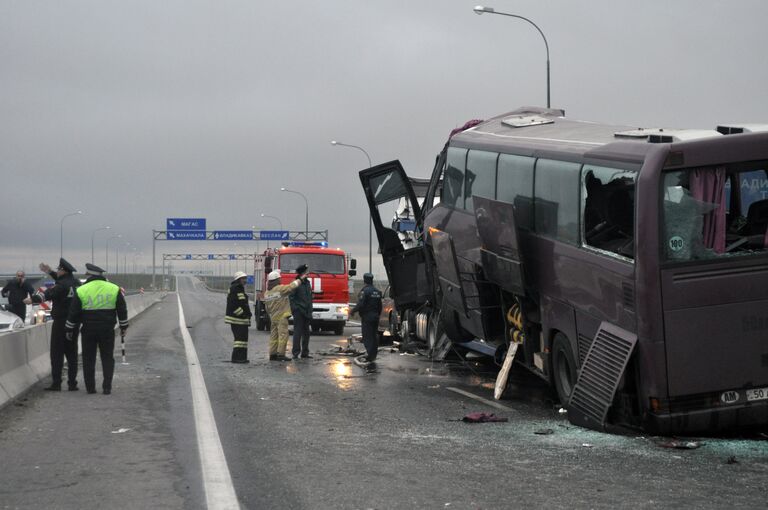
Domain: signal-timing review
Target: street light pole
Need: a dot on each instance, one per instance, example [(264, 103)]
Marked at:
[(479, 9), (93, 234), (370, 218), (61, 250), (306, 202), (106, 250), (274, 218)]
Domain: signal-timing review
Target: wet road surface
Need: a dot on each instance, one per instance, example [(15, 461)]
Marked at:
[(322, 433)]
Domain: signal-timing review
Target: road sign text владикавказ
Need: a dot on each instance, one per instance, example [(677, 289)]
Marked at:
[(233, 235)]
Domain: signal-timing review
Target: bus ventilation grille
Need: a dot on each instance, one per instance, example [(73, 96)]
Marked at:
[(599, 376)]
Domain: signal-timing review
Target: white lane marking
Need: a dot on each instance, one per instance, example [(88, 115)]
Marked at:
[(217, 482), (481, 399)]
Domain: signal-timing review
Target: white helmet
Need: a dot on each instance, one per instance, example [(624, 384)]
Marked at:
[(239, 275), (274, 275)]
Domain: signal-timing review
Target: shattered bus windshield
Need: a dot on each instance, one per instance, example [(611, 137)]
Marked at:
[(714, 212)]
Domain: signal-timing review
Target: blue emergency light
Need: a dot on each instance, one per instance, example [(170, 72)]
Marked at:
[(309, 244)]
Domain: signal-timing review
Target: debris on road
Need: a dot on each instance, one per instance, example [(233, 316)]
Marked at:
[(120, 431), (587, 445), (732, 460), (679, 444), (544, 432), (482, 417)]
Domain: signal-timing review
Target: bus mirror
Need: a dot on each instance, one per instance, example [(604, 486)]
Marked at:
[(352, 272), (353, 263)]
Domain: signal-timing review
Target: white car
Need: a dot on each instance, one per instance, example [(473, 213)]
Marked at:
[(9, 321)]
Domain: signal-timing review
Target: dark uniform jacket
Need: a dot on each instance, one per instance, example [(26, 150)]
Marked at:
[(60, 294), (301, 300), (368, 304), (238, 311), (16, 293), (97, 316)]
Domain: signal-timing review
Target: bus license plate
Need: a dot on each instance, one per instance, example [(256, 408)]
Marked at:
[(757, 394)]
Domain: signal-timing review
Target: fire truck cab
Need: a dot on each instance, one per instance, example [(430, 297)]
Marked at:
[(327, 273)]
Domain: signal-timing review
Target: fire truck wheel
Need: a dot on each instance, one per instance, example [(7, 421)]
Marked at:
[(564, 369)]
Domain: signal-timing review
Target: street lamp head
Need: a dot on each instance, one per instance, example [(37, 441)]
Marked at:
[(479, 9), (334, 142), (79, 212), (282, 189)]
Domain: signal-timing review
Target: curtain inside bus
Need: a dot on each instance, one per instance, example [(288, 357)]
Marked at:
[(708, 185)]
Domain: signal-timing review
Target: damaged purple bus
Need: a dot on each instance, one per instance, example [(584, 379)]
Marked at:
[(628, 266)]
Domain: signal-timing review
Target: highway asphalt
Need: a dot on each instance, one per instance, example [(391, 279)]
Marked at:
[(322, 433)]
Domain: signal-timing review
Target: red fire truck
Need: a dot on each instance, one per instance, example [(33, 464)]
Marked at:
[(328, 274)]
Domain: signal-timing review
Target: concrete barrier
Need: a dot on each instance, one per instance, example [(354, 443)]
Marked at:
[(25, 354)]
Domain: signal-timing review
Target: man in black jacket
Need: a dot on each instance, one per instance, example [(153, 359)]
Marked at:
[(96, 305), (61, 295), (17, 290), (238, 316), (301, 309), (369, 307)]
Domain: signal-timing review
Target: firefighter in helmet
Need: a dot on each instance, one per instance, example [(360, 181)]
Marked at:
[(279, 309), (238, 316)]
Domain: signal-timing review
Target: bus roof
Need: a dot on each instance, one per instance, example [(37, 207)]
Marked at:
[(537, 131)]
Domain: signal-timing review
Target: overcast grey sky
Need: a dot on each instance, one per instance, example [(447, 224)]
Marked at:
[(135, 111)]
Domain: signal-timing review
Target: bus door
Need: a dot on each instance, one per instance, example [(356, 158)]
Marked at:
[(396, 216), (500, 252)]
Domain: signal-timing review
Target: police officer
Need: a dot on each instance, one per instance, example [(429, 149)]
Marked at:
[(96, 306), (17, 290), (238, 316), (369, 307), (61, 294), (301, 309)]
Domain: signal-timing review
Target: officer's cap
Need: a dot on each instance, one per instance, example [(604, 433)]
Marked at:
[(368, 277), (93, 269), (302, 269), (66, 266)]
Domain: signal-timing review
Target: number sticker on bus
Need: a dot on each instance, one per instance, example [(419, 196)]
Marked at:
[(757, 394)]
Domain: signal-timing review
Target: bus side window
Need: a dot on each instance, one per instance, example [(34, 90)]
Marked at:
[(480, 176), (608, 217), (556, 199), (452, 193), (514, 185)]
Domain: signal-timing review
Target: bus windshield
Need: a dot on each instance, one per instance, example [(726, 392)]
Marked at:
[(317, 262), (714, 212)]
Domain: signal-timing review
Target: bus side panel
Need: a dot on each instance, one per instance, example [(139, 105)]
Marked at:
[(598, 286), (650, 349), (461, 226)]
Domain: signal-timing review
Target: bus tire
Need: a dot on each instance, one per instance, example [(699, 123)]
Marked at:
[(259, 316), (452, 327), (564, 368)]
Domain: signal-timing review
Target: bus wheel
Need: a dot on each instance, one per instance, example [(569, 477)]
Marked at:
[(564, 369), (435, 332), (394, 326)]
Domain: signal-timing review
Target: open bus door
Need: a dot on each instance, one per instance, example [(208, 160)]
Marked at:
[(500, 252), (390, 195)]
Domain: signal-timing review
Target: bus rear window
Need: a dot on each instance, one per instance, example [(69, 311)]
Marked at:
[(713, 212)]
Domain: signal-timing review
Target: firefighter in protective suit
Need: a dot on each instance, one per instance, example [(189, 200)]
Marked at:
[(238, 316), (279, 309)]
